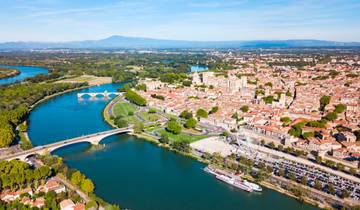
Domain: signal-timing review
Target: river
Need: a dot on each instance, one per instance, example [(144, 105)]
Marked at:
[(135, 173), (25, 72)]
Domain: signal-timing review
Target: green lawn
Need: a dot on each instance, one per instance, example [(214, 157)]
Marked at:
[(151, 117), (181, 136), (123, 109)]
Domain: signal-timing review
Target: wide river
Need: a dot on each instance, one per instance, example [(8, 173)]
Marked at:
[(25, 72), (135, 173)]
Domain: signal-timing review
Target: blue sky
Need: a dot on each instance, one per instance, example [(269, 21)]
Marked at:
[(66, 20)]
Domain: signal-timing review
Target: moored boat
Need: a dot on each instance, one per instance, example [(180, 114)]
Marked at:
[(253, 186), (234, 182)]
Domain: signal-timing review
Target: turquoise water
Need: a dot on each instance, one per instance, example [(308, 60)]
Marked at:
[(137, 174), (198, 68), (26, 71)]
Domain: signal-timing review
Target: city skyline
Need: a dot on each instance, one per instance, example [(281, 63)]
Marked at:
[(53, 20)]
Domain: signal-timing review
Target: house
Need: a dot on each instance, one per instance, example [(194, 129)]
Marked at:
[(67, 204), (53, 185), (39, 202), (79, 206)]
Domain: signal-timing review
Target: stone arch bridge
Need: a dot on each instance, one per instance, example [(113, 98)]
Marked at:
[(93, 139), (104, 94)]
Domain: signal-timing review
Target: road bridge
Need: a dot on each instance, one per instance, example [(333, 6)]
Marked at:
[(93, 139), (104, 94)]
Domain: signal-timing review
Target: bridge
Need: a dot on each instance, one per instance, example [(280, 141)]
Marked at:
[(104, 94), (93, 139)]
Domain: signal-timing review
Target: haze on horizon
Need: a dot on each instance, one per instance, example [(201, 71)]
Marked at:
[(205, 20)]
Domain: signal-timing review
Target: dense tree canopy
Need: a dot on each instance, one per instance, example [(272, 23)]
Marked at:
[(201, 113), (324, 101), (135, 98)]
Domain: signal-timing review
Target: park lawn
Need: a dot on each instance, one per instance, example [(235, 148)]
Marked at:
[(151, 117), (131, 119), (180, 137), (123, 109)]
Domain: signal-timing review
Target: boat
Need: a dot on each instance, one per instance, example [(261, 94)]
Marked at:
[(210, 170), (253, 186), (234, 182)]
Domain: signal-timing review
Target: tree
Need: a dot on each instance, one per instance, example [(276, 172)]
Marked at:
[(282, 172), (317, 184), (135, 98), (138, 127), (244, 108), (268, 99), (190, 123), (330, 116), (291, 176), (182, 146), (324, 101), (340, 108), (87, 186), (214, 110), (186, 114), (187, 83), (164, 139), (121, 123), (7, 135), (285, 120), (345, 193), (269, 84), (152, 111), (201, 113), (304, 180), (173, 127), (331, 189), (318, 159), (308, 135), (77, 178)]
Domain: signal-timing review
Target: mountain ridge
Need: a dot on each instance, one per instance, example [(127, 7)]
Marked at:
[(125, 42)]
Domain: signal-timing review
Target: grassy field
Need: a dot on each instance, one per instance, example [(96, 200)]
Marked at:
[(123, 109), (151, 117), (180, 137)]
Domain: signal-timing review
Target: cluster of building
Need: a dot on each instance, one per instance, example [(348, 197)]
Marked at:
[(24, 196), (272, 93)]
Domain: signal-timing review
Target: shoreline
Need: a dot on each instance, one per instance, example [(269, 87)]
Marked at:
[(267, 184), (12, 73)]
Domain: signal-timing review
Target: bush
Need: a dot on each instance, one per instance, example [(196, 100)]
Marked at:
[(214, 110)]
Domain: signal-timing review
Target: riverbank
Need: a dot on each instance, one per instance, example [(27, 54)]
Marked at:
[(308, 195), (8, 72)]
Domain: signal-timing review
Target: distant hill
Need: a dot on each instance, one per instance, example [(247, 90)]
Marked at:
[(123, 42)]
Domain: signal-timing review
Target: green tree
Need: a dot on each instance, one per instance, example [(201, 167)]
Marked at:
[(121, 123), (173, 127), (285, 120), (7, 135), (87, 186), (135, 98), (317, 184), (201, 113), (345, 193), (182, 146), (214, 110), (138, 127), (340, 108), (190, 123), (324, 101), (331, 189), (164, 139), (330, 116), (304, 180), (244, 108), (77, 178)]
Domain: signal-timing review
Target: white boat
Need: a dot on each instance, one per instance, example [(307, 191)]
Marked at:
[(234, 182), (253, 186)]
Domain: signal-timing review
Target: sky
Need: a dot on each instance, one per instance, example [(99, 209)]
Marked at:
[(207, 20)]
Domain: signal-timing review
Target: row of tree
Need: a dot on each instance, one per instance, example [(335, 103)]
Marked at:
[(16, 174)]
